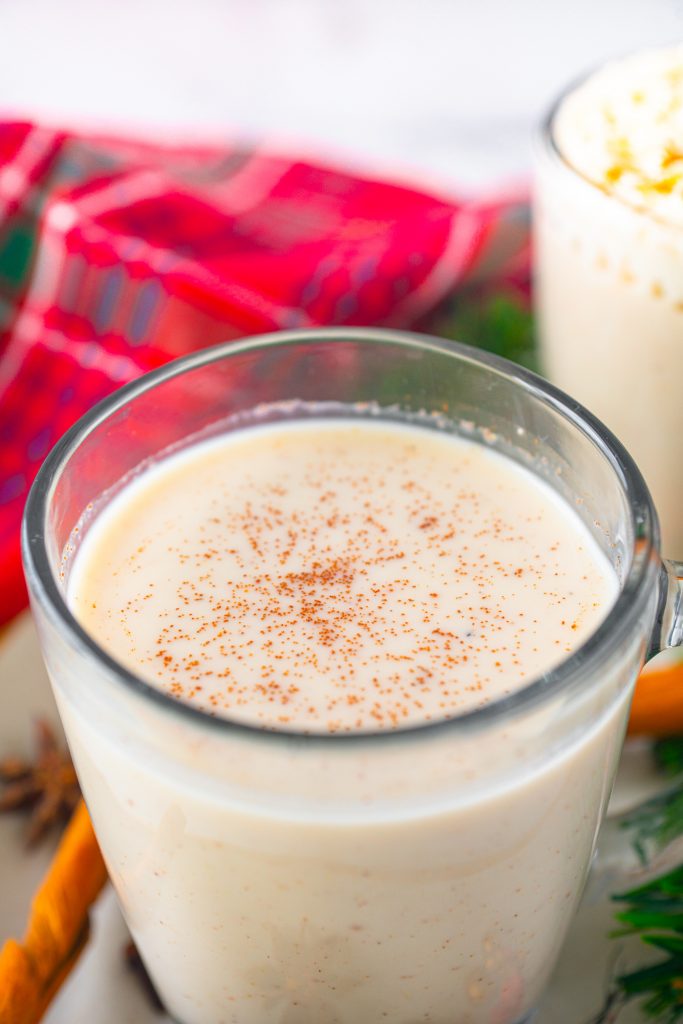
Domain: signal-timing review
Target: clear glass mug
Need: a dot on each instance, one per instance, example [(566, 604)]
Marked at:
[(608, 289), (426, 874)]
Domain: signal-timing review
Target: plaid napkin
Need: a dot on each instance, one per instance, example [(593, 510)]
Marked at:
[(117, 255)]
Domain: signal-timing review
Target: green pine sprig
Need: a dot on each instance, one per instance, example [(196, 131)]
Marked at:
[(499, 322), (655, 912), (668, 754), (656, 824)]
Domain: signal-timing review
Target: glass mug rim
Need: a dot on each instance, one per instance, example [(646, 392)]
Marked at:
[(548, 146), (580, 665)]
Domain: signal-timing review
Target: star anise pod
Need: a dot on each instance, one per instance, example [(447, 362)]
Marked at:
[(46, 786)]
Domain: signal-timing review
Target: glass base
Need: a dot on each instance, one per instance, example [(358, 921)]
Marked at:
[(529, 1019)]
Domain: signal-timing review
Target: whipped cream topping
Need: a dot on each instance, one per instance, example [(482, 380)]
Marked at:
[(622, 128)]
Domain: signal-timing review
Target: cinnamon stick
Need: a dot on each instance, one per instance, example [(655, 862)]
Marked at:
[(32, 971)]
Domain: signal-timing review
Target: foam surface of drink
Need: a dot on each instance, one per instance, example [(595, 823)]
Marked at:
[(339, 574), (622, 129)]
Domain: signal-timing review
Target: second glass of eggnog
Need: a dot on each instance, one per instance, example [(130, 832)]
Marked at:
[(609, 260), (343, 627)]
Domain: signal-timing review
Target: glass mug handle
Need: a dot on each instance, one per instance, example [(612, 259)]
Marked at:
[(653, 827), (668, 630)]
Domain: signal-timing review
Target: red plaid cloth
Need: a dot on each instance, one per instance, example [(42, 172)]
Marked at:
[(116, 256)]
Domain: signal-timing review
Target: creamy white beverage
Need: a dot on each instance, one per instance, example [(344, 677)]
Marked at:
[(609, 261), (353, 576), (339, 578)]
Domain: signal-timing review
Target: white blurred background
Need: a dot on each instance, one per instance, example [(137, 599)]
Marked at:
[(447, 90)]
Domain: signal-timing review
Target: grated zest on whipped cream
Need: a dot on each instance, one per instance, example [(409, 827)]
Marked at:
[(622, 128)]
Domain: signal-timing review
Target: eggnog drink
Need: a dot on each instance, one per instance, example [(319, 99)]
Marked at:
[(609, 261), (348, 579)]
